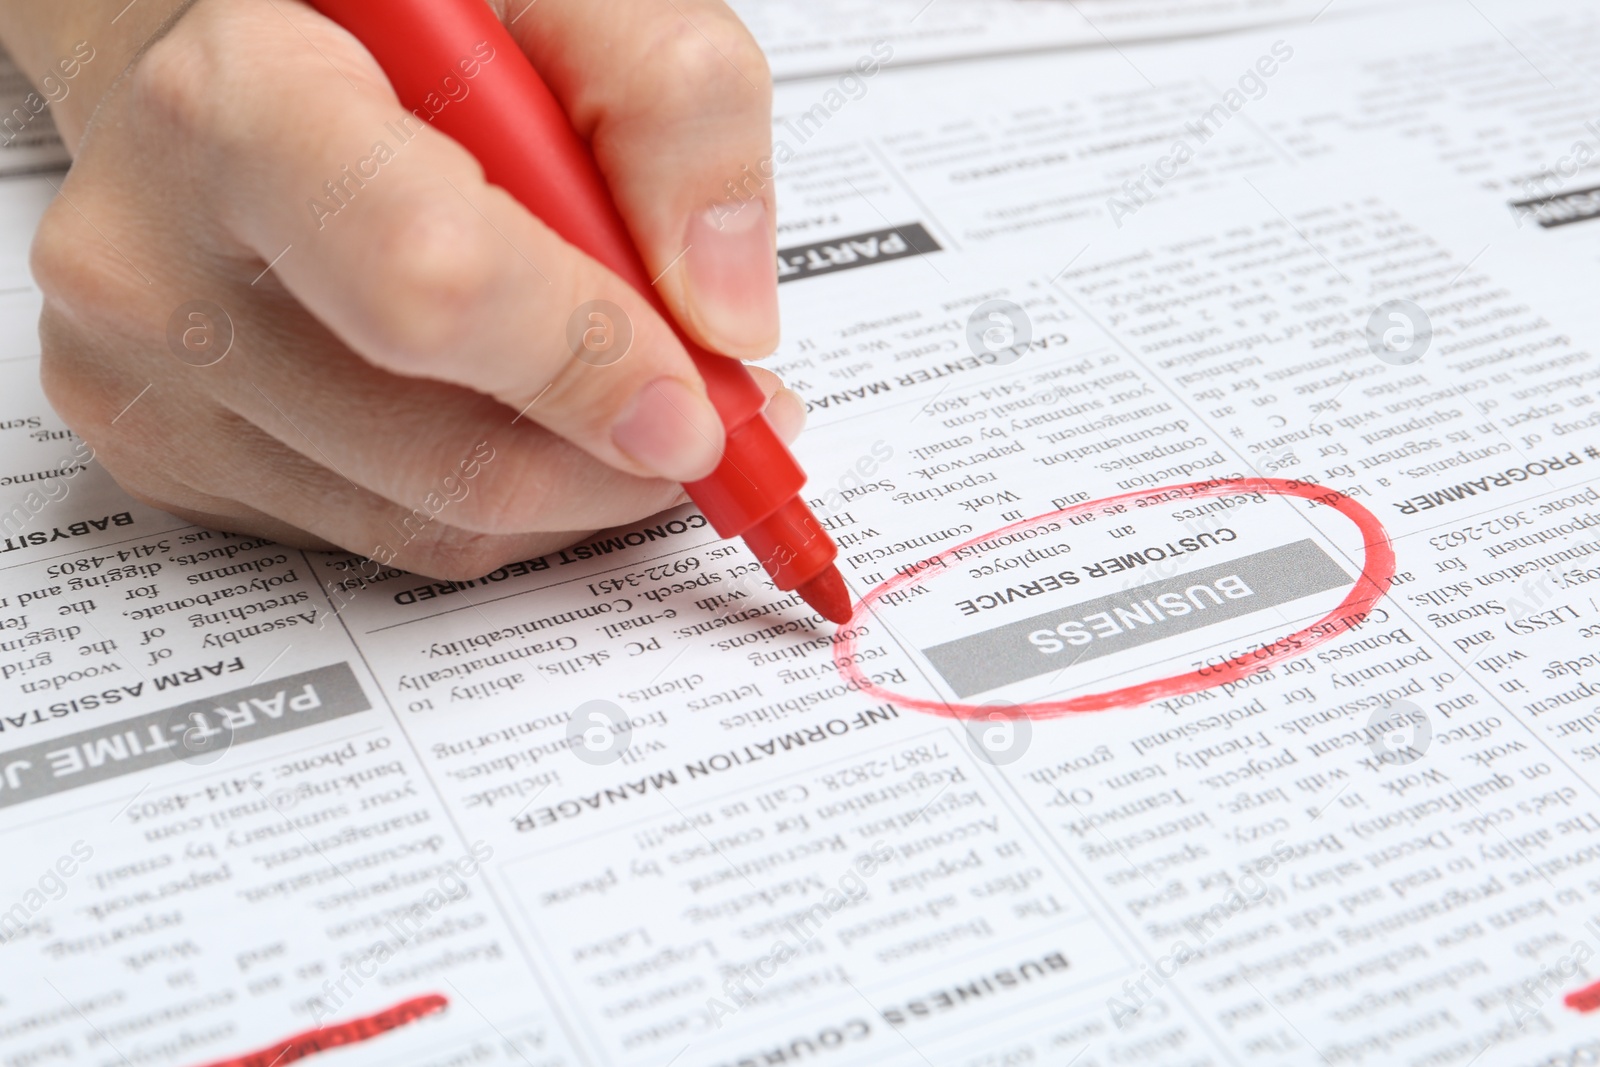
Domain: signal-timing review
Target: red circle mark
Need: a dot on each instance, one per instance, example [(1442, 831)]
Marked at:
[(335, 1035), (1377, 570)]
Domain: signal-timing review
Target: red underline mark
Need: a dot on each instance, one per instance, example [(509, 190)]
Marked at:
[(1377, 570), (336, 1035), (1585, 999)]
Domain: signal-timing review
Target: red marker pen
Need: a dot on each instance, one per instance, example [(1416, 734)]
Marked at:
[(515, 127)]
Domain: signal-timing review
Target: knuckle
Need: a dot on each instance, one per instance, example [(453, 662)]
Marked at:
[(70, 270), (176, 82), (714, 63), (437, 269), (55, 260), (85, 281)]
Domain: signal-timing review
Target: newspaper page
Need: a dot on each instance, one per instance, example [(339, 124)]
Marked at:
[(826, 36), (1209, 430)]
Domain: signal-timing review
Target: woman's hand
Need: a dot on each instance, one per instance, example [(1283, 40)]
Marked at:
[(395, 322)]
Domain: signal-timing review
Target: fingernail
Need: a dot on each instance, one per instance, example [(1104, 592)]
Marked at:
[(671, 430), (787, 413), (733, 278)]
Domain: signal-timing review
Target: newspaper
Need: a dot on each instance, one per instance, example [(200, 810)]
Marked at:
[(1209, 429)]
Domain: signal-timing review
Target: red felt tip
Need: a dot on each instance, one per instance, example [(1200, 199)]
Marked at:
[(828, 595)]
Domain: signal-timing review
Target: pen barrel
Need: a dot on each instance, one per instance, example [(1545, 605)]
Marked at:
[(455, 67)]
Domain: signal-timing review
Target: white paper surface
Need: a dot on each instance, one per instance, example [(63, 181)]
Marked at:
[(812, 38), (625, 805)]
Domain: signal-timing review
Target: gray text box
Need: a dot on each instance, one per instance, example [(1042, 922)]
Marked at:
[(1120, 621), (158, 737)]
